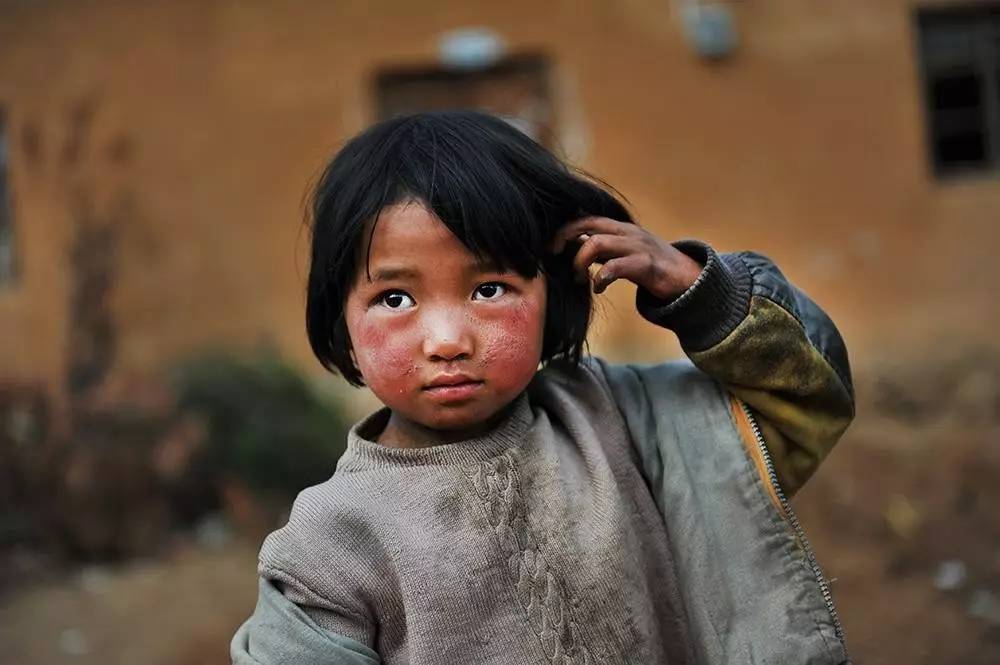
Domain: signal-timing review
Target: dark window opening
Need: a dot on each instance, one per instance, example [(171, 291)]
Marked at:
[(516, 89), (960, 58), (7, 258)]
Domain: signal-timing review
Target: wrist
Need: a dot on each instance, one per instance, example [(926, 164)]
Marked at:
[(679, 274), (711, 307)]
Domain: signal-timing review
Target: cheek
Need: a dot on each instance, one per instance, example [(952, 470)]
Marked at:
[(514, 344), (383, 355)]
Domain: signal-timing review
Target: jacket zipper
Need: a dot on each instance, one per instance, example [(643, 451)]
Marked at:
[(824, 586)]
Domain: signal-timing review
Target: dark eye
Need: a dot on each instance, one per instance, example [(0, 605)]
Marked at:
[(395, 300), (489, 291)]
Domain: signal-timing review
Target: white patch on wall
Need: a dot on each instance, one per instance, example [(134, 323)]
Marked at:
[(710, 28), (471, 48)]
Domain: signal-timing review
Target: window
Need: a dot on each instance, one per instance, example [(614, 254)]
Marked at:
[(6, 223), (516, 89), (960, 57)]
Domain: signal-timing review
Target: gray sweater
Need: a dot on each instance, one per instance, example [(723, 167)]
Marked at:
[(539, 542)]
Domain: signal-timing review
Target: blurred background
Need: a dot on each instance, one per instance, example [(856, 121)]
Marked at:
[(159, 405)]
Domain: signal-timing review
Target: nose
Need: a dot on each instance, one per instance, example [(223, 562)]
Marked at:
[(447, 336)]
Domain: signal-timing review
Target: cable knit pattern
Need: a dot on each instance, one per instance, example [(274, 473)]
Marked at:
[(540, 593)]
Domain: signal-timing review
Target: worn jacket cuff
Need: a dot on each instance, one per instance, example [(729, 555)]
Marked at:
[(711, 308)]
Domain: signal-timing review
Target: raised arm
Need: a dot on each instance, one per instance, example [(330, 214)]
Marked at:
[(741, 322), (771, 346)]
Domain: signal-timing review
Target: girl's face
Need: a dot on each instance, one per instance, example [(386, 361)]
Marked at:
[(442, 340)]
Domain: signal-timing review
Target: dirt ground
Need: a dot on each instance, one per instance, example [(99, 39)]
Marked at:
[(907, 525), (905, 520), (178, 610)]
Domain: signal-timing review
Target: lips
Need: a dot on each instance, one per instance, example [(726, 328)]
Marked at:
[(455, 387), (447, 380)]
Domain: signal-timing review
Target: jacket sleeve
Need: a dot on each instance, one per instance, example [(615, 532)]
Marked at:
[(771, 347), (279, 631)]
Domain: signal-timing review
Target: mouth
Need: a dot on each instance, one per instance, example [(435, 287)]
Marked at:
[(453, 389)]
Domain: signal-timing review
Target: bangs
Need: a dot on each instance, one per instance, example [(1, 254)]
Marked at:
[(498, 191), (466, 174)]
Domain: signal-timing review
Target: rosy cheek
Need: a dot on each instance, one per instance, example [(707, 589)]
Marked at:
[(514, 344), (383, 357)]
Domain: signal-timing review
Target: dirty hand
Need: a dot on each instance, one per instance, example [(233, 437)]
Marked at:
[(627, 252)]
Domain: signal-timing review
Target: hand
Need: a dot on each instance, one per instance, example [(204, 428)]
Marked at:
[(627, 252)]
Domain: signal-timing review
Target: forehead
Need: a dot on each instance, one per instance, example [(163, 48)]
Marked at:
[(408, 221), (409, 234)]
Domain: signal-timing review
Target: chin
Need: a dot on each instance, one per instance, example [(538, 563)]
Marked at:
[(457, 420), (458, 417)]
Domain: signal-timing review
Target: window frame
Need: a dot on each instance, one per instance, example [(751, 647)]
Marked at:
[(982, 22), (533, 66)]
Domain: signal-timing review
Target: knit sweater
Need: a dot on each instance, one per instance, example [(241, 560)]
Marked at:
[(538, 542)]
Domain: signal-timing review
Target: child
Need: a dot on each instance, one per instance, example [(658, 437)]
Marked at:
[(587, 512)]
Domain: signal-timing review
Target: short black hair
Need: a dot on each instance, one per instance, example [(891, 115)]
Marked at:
[(502, 194)]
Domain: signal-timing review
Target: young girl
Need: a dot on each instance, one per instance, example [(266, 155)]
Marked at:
[(585, 512)]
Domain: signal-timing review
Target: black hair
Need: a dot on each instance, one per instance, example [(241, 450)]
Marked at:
[(502, 194)]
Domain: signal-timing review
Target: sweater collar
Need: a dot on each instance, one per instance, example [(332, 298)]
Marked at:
[(363, 452)]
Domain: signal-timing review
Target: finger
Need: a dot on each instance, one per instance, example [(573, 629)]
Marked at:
[(624, 267), (601, 248), (588, 225)]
